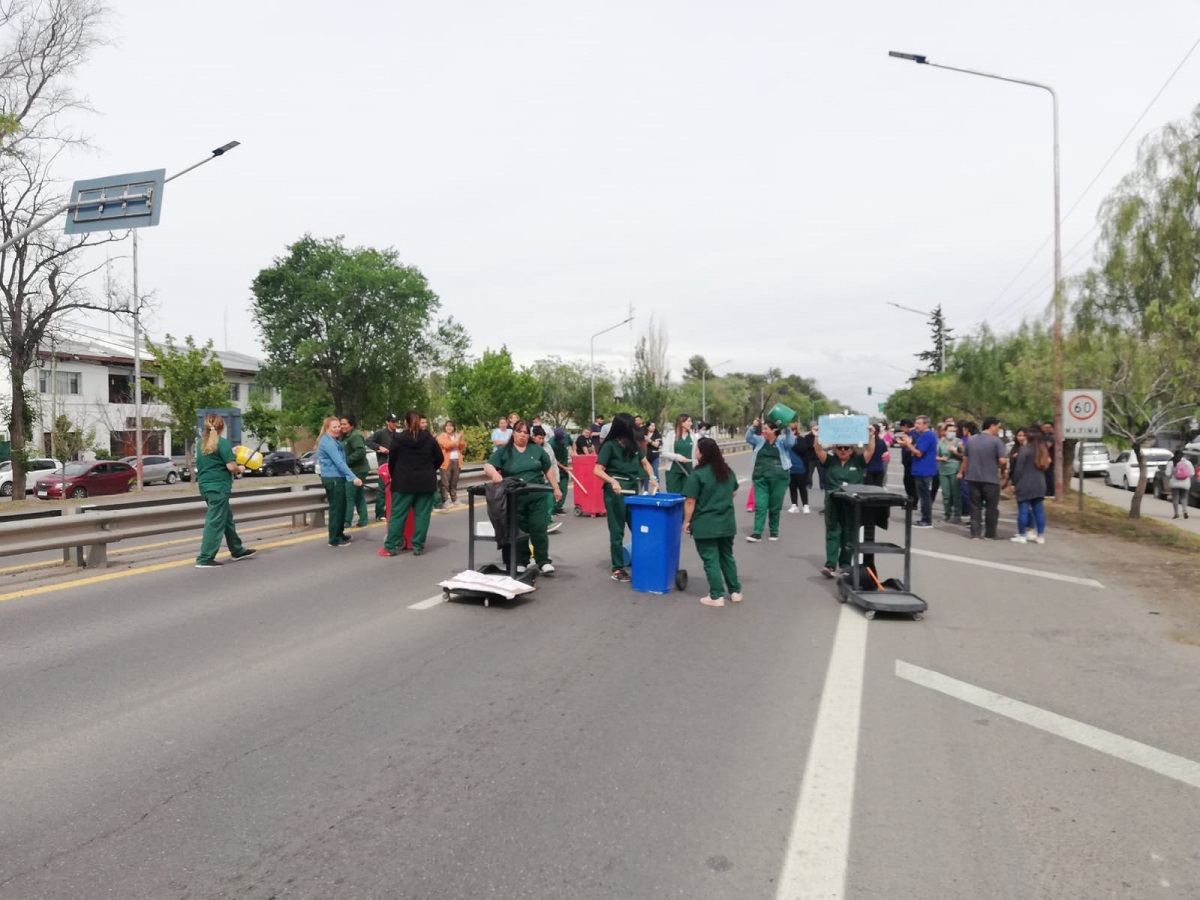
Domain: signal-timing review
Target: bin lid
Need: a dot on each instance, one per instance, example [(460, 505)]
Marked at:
[(658, 500)]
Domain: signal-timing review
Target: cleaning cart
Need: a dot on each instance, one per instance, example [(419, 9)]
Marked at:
[(862, 585)]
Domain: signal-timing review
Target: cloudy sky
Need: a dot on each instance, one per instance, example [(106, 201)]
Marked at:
[(757, 176)]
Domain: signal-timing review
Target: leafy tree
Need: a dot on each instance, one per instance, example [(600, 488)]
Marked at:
[(42, 46), (352, 327), (491, 387), (696, 366), (935, 357), (567, 389), (266, 423), (192, 379), (69, 439)]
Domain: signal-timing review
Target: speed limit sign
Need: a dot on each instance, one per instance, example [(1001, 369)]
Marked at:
[(1083, 414)]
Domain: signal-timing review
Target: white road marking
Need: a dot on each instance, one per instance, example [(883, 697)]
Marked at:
[(819, 845), (428, 603), (1004, 567), (1160, 761)]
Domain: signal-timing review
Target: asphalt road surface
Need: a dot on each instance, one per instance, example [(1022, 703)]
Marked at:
[(316, 723)]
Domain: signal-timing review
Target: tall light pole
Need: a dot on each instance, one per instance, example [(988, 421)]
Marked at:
[(941, 341), (593, 344), (137, 349), (1058, 292), (703, 392)]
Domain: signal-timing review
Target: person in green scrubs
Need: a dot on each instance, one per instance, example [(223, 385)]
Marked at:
[(355, 446), (709, 518), (526, 461), (771, 470), (620, 466), (843, 466), (335, 475), (680, 453), (215, 465)]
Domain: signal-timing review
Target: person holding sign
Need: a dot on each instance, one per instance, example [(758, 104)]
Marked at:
[(843, 466), (771, 470)]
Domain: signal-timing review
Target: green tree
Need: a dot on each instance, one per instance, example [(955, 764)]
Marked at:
[(352, 327), (491, 387), (267, 424), (567, 389), (192, 379), (935, 356)]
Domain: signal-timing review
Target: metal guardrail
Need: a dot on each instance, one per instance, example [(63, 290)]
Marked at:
[(83, 532)]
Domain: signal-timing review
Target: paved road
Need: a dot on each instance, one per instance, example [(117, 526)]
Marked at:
[(303, 725), (1152, 507)]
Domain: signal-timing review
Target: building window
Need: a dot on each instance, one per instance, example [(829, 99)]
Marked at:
[(120, 388), (65, 382), (235, 390)]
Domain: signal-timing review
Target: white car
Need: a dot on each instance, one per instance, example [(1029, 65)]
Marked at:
[(33, 471), (1122, 472)]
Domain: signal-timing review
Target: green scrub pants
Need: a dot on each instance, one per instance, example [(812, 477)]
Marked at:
[(356, 500), (951, 496), (719, 565), (335, 496), (677, 475), (768, 501), (218, 523), (564, 482), (532, 518), (422, 507), (381, 502), (618, 515), (838, 532)]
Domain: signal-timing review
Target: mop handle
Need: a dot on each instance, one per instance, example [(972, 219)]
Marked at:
[(577, 481), (878, 584)]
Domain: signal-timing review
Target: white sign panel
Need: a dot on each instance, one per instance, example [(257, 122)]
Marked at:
[(843, 430), (1083, 414)]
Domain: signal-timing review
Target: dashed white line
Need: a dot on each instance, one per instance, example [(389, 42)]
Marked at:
[(1176, 767), (428, 602), (1005, 567)]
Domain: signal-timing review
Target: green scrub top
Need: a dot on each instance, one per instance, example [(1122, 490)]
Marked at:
[(850, 472), (529, 466), (767, 465), (627, 471), (713, 516), (211, 474), (683, 446)]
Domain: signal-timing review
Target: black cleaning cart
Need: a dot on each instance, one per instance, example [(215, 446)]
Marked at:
[(865, 504)]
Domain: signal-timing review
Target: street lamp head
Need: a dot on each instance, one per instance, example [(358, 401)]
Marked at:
[(220, 150), (915, 57)]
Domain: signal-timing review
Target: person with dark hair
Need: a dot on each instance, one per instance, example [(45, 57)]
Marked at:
[(843, 466), (921, 445), (539, 436), (877, 464), (653, 446), (619, 467), (453, 446), (709, 518), (413, 462), (559, 449), (527, 462), (950, 454), (983, 466), (1027, 474), (1180, 473), (356, 458), (903, 430), (797, 486), (583, 443), (379, 441), (771, 468)]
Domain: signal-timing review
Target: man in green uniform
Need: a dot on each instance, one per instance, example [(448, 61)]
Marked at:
[(709, 518), (356, 458), (843, 466), (770, 473), (379, 442), (529, 463)]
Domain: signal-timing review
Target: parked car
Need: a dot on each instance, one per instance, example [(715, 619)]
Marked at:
[(155, 468), (1163, 492), (87, 479), (33, 471), (372, 462), (278, 462), (1122, 472), (308, 461), (1091, 458)]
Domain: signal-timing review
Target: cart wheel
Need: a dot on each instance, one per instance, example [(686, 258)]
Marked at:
[(869, 614), (681, 580), (578, 511), (446, 595), (917, 617), (841, 598), (487, 602)]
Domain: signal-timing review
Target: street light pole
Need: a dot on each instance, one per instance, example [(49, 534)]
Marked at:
[(593, 349), (703, 392), (1058, 291)]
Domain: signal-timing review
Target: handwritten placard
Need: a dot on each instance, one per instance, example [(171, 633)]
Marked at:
[(843, 430)]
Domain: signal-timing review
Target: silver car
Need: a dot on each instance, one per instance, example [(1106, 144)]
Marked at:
[(155, 468)]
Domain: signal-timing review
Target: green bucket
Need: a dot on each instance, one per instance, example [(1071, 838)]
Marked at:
[(782, 413)]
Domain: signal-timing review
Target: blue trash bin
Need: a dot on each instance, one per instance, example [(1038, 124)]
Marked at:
[(657, 526)]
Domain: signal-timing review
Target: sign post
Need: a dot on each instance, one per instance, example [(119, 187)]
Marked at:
[(1083, 418)]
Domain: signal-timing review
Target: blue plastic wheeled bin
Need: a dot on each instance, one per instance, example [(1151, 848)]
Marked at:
[(657, 526)]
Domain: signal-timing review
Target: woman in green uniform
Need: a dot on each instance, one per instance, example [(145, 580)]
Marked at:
[(680, 454), (709, 518), (844, 466), (529, 463), (215, 466), (620, 466), (771, 470)]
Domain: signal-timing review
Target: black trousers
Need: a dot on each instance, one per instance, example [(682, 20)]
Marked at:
[(985, 505), (796, 486)]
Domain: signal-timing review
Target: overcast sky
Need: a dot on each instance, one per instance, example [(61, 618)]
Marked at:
[(759, 177)]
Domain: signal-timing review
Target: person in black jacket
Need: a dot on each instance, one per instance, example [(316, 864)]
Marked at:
[(379, 442), (414, 458)]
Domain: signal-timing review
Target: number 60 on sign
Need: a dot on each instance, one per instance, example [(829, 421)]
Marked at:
[(1083, 414)]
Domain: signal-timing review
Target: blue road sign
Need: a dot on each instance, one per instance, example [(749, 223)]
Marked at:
[(116, 202)]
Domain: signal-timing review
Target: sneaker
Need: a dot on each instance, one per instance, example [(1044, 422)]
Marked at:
[(793, 509), (828, 571), (922, 524), (1030, 535), (804, 509), (1040, 539), (246, 554), (346, 539), (553, 527), (211, 564), (548, 569), (620, 575), (773, 537), (754, 538), (417, 551), (521, 569), (713, 601), (1019, 539), (384, 551), (735, 597)]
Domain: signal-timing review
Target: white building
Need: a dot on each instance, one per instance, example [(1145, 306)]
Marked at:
[(89, 379)]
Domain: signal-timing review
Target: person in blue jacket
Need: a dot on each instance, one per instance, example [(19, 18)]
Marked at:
[(770, 472), (331, 457), (799, 477)]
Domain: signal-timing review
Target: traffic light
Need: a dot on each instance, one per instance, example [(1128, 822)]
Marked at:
[(868, 392)]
